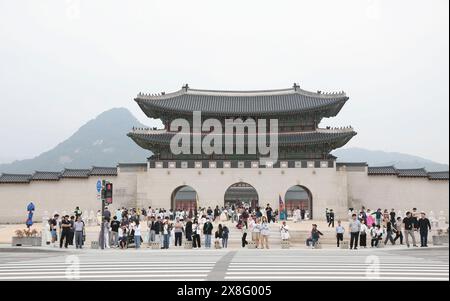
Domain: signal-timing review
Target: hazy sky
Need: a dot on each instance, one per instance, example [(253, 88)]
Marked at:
[(64, 62)]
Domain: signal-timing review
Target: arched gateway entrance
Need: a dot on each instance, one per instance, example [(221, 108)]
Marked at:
[(185, 198), (241, 194), (299, 197)]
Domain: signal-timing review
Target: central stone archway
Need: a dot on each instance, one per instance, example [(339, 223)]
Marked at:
[(185, 198), (241, 194)]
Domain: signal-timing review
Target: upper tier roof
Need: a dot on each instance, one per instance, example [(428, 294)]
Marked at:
[(239, 103)]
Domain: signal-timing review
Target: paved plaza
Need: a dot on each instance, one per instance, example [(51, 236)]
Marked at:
[(241, 264)]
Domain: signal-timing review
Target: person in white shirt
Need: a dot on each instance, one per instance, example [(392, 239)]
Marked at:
[(265, 231), (256, 231), (363, 234), (137, 234), (284, 230)]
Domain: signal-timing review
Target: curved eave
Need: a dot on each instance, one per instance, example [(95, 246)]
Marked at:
[(333, 140), (221, 106)]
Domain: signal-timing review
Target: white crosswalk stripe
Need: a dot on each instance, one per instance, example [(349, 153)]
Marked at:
[(92, 268)]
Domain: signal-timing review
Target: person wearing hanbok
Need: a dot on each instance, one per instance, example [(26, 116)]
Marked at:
[(370, 219)]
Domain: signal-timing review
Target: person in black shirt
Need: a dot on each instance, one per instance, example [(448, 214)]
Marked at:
[(408, 221), (188, 229), (389, 232), (115, 225), (424, 226), (392, 216), (65, 232), (331, 218), (269, 213), (72, 230)]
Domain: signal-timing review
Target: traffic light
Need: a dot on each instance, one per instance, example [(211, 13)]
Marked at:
[(108, 192)]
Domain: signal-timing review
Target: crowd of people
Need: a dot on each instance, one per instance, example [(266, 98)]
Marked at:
[(123, 228), (383, 226)]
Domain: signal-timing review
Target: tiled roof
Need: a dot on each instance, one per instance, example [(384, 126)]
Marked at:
[(382, 170), (213, 102), (416, 172), (46, 175), (103, 171), (438, 175), (75, 173), (15, 178), (146, 140), (362, 164)]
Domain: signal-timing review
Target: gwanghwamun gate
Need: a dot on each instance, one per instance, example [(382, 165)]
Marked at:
[(304, 173)]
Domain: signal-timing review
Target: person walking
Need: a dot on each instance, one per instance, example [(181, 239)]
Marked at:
[(158, 231), (65, 232), (256, 232), (269, 212), (331, 219), (196, 234), (389, 232), (244, 226), (115, 225), (408, 225), (424, 226), (207, 231), (355, 228), (339, 233), (265, 231), (79, 230), (77, 212), (72, 230), (225, 235), (378, 215), (398, 230), (363, 234), (327, 215)]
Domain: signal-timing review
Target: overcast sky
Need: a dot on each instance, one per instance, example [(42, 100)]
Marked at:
[(64, 62)]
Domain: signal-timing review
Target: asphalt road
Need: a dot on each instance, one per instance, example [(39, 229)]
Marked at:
[(241, 264)]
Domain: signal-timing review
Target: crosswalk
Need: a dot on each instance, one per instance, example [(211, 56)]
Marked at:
[(92, 269), (335, 268)]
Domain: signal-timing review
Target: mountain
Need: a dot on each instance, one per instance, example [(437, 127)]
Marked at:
[(103, 142), (381, 158), (100, 142)]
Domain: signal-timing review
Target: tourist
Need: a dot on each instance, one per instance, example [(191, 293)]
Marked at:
[(188, 228), (331, 219), (137, 234), (225, 235), (302, 213), (99, 217), (65, 232), (115, 225), (209, 213), (166, 233), (218, 236), (389, 232), (363, 234), (265, 231), (216, 213), (327, 215), (158, 226), (363, 215), (151, 224), (53, 228), (369, 218), (123, 237), (118, 215), (79, 230), (314, 238), (178, 230), (408, 225), (398, 230), (72, 230), (296, 215), (377, 234), (392, 216), (284, 231), (207, 231), (339, 233), (378, 215), (196, 230), (256, 232), (77, 212), (107, 214), (243, 225), (355, 228), (269, 213), (424, 226)]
